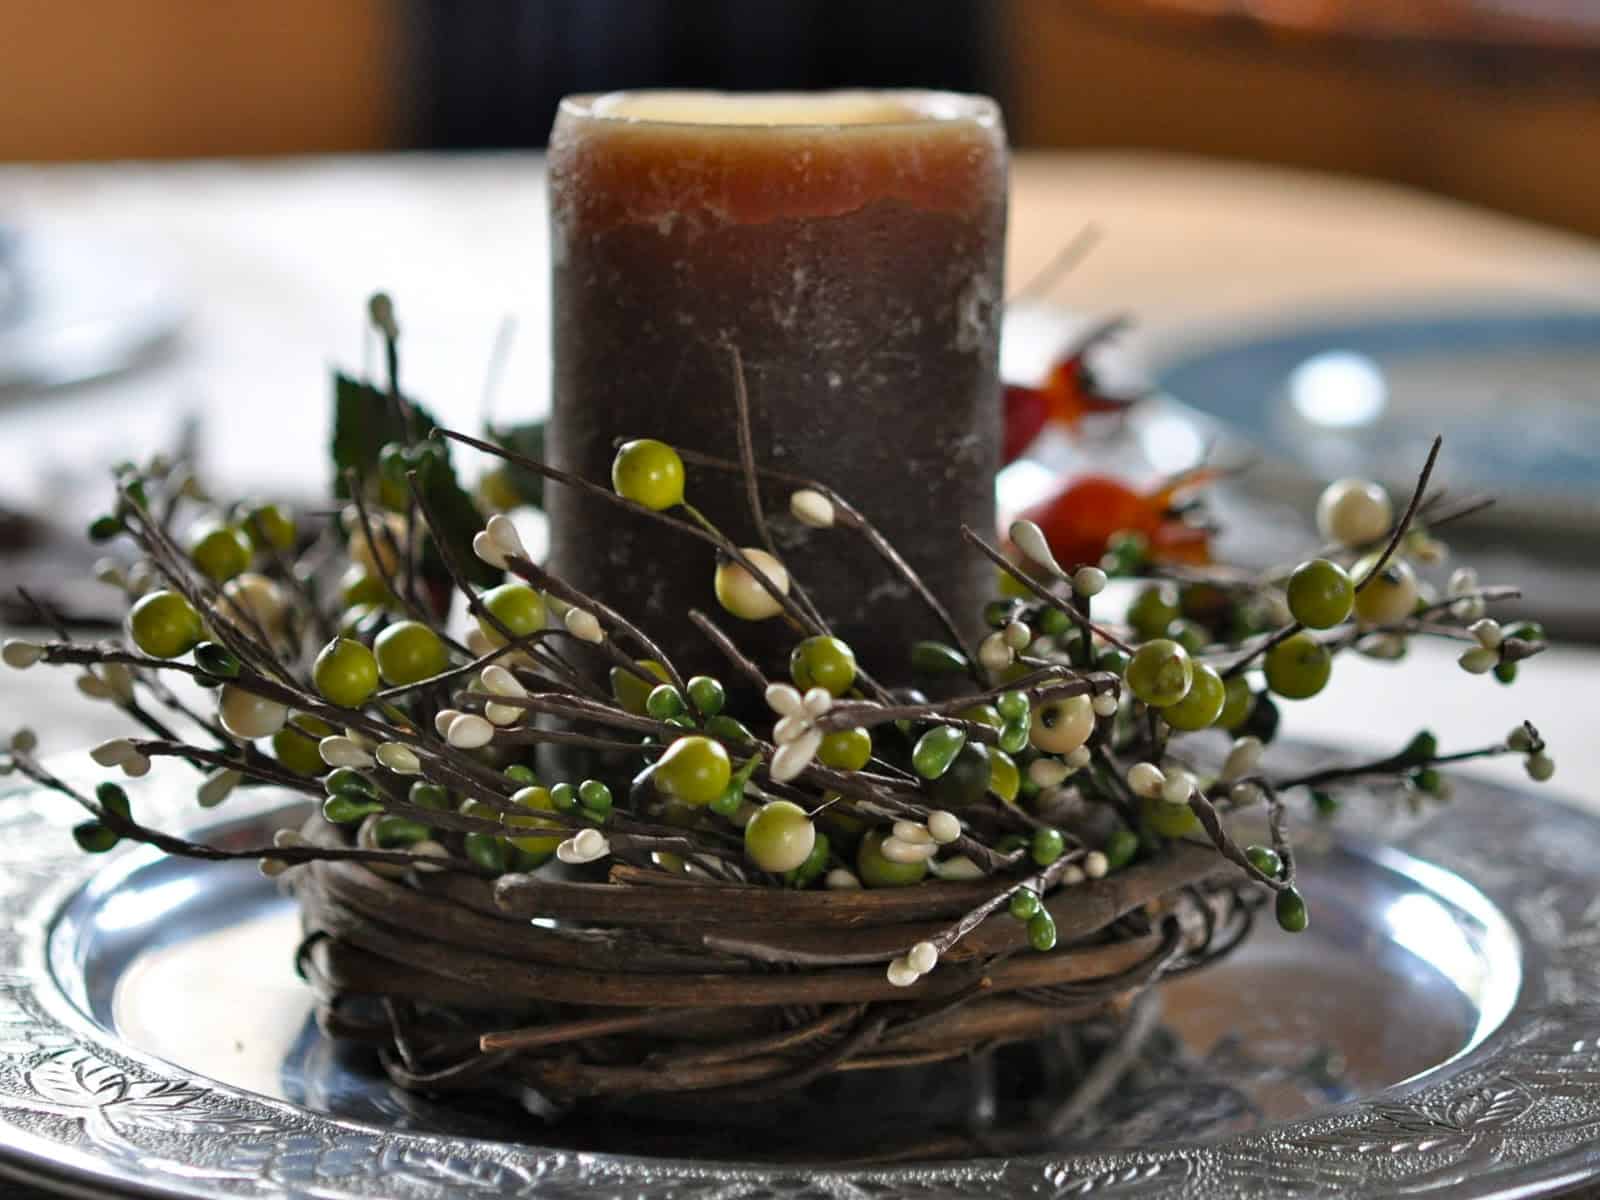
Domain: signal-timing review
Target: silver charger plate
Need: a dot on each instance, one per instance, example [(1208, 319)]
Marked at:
[(1434, 1033)]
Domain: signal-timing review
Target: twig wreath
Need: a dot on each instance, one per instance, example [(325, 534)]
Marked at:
[(621, 883)]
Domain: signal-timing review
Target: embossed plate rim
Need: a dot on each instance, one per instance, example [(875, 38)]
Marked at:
[(1518, 1114)]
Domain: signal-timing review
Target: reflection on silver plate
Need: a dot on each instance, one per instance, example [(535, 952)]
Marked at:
[(1516, 395), (1434, 1033)]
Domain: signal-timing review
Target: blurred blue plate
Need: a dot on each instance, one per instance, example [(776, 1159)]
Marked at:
[(1516, 395)]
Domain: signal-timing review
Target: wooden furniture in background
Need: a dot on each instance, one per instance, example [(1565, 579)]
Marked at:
[(185, 78)]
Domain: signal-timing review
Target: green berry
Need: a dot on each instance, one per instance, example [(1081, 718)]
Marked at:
[(1298, 667), (1053, 622), (358, 586), (1047, 846), (726, 727), (1263, 719), (935, 658), (1422, 748), (267, 526), (347, 781), (1014, 736), (522, 776), (392, 832), (487, 851), (877, 871), (694, 770), (345, 673), (164, 625), (1024, 903), (780, 837), (1265, 859), (219, 551), (216, 660), (707, 695), (633, 693), (1152, 610), (730, 801), (998, 613), (1169, 820), (1013, 706), (648, 472), (104, 528), (564, 797), (113, 799), (1428, 780), (1004, 776), (595, 796), (1237, 701), (815, 864), (1120, 849), (94, 838), (1505, 672), (295, 745), (936, 750), (966, 780), (1125, 552), (983, 714), (1325, 803), (429, 796), (845, 749), (409, 652), (1042, 930), (1191, 636), (1526, 631), (1291, 911), (1160, 673), (824, 662), (516, 606), (346, 808), (664, 702), (1202, 707), (1321, 594), (1114, 661)]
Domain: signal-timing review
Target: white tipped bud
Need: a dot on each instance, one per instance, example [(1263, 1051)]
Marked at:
[(1244, 795), (790, 728), (443, 719), (1146, 779), (339, 751), (478, 643), (135, 766), (1540, 766), (902, 974), (1176, 789), (485, 548), (910, 831), (1080, 758), (217, 787), (1047, 772), (1072, 876), (958, 869), (1462, 581), (794, 757), (1030, 539), (817, 701), (400, 759), (1488, 633), (109, 572), (586, 846), (841, 880), (285, 839), (811, 507), (272, 867), (897, 850), (91, 685), (1096, 864), (502, 531), (923, 957), (428, 848), (1088, 581), (111, 753), (784, 700), (502, 714), (1520, 739), (1478, 660), (583, 625), (20, 655), (25, 741), (994, 653), (1017, 635), (944, 826), (118, 680), (502, 682), (1468, 608), (1242, 759), (469, 732), (1105, 704)]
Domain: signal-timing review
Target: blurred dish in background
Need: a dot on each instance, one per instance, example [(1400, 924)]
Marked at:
[(76, 308), (1515, 394)]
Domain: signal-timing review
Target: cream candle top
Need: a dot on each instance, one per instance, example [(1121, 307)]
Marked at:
[(644, 157)]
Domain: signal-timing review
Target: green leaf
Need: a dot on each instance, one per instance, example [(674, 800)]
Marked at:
[(529, 441)]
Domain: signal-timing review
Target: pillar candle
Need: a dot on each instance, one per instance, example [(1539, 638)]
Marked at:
[(849, 245)]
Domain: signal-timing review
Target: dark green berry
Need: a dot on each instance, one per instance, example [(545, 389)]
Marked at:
[(216, 660), (1265, 859), (967, 779), (93, 837), (1024, 903), (1047, 846), (1422, 748), (488, 851), (1506, 672), (998, 613), (521, 775), (935, 658), (727, 728), (1042, 930), (1120, 848), (1326, 804), (707, 695), (1291, 911), (564, 796), (113, 799), (429, 796), (936, 750), (1013, 706), (103, 529), (664, 702), (595, 796), (1014, 735), (347, 781), (1053, 622), (345, 808), (728, 803)]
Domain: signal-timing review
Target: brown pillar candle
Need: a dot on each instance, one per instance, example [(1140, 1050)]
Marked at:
[(849, 245)]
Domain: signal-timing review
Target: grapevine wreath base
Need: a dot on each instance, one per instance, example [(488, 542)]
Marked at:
[(550, 860)]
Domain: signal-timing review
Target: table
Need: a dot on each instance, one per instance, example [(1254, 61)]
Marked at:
[(278, 258)]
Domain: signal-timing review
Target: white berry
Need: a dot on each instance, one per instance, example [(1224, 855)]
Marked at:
[(1354, 512)]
